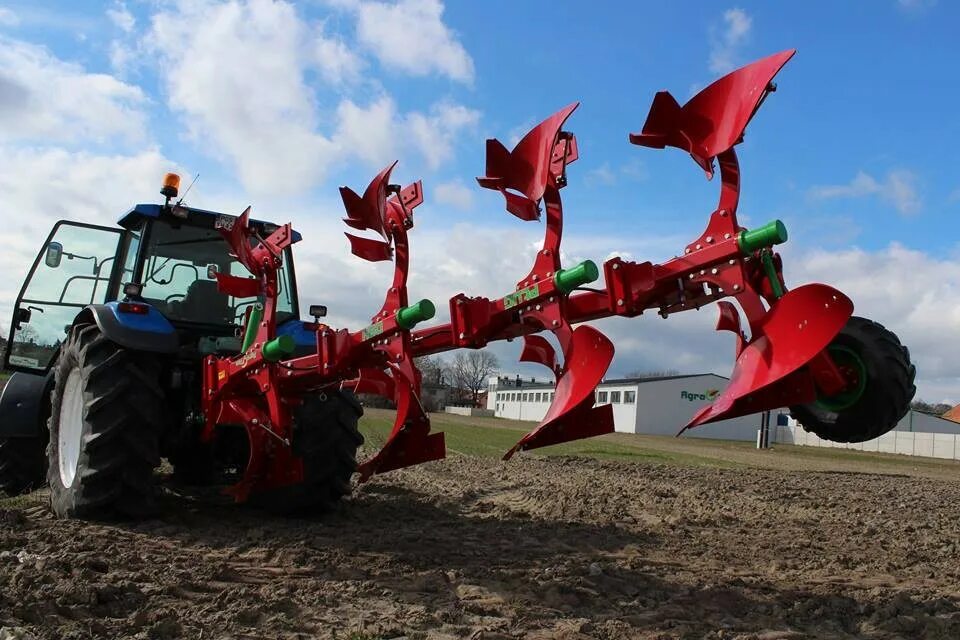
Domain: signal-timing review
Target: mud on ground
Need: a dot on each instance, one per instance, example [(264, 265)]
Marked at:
[(535, 548)]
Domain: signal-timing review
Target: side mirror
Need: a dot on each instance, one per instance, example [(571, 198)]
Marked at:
[(318, 310), (23, 317), (54, 255), (212, 271)]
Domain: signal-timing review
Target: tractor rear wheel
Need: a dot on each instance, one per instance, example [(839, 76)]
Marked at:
[(104, 428), (22, 465), (326, 436), (881, 395)]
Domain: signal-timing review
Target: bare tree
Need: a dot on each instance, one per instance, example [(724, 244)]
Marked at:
[(471, 369), (934, 409), (433, 368)]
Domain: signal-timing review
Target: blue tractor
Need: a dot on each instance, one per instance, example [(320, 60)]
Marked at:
[(107, 339)]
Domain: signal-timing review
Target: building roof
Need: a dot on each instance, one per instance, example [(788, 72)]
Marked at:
[(511, 384), (953, 415)]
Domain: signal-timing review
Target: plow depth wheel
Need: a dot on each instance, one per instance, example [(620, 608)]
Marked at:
[(326, 436), (881, 386)]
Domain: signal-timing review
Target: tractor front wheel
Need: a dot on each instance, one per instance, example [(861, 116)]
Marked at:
[(104, 428), (326, 436), (881, 386)]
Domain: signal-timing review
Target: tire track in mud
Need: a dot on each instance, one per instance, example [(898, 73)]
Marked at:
[(538, 548)]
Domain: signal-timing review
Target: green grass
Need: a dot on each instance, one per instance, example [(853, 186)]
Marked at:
[(485, 440)]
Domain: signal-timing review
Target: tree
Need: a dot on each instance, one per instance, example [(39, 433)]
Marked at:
[(433, 368), (471, 370), (930, 408)]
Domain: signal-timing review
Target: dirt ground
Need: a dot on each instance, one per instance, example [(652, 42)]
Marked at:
[(538, 547)]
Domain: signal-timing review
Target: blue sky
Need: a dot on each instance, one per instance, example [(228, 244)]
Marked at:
[(275, 104)]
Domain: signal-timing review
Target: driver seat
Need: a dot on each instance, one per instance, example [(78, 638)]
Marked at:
[(204, 302)]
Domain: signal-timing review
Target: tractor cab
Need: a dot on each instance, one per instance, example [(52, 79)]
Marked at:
[(153, 281)]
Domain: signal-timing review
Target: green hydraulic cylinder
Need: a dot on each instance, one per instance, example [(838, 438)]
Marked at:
[(567, 280), (409, 317), (774, 232), (253, 322)]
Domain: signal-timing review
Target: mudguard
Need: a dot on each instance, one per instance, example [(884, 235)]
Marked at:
[(142, 332), (24, 404)]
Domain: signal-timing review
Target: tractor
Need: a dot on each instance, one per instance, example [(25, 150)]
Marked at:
[(179, 335)]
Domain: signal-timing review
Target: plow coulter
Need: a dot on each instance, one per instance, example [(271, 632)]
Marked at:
[(288, 385)]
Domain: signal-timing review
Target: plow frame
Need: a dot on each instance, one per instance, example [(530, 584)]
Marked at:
[(781, 361)]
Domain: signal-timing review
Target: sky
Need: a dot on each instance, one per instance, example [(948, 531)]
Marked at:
[(275, 104)]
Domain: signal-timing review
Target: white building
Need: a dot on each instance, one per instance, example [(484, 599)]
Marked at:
[(660, 406)]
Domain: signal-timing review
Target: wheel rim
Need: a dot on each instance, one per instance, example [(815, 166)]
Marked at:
[(70, 430), (854, 370)]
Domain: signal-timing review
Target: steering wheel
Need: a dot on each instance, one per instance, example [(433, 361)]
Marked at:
[(170, 298)]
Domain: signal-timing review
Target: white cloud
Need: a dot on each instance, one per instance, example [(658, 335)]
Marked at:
[(916, 5), (899, 189), (883, 287), (410, 35), (45, 98), (378, 133), (121, 17), (454, 194), (235, 72), (238, 73), (602, 175), (725, 41), (434, 134), (336, 60), (8, 18)]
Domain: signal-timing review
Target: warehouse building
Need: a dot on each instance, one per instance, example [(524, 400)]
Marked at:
[(658, 405)]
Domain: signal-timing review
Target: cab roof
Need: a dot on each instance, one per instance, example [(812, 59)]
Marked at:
[(132, 218)]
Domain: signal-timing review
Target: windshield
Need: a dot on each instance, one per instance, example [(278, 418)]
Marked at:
[(179, 277)]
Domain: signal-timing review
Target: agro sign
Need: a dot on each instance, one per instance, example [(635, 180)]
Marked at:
[(709, 394)]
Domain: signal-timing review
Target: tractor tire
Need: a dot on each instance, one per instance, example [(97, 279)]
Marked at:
[(22, 465), (326, 436), (883, 395), (104, 426)]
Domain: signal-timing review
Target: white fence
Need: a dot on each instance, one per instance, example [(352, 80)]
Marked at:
[(931, 445)]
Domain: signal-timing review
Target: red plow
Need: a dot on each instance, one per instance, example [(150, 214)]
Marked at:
[(798, 348)]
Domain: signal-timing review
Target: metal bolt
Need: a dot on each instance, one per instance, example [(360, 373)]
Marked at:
[(556, 323), (699, 246), (736, 287), (539, 307), (703, 272), (254, 421), (732, 261), (723, 213), (688, 250), (713, 271), (550, 299), (692, 276), (535, 277), (616, 265), (709, 239), (726, 236), (620, 302), (462, 335), (289, 373)]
